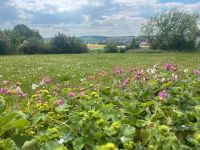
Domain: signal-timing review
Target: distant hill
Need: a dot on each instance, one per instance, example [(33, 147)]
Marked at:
[(105, 39), (93, 39)]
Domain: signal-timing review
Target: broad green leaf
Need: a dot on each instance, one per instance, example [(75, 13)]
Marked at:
[(78, 143), (51, 145)]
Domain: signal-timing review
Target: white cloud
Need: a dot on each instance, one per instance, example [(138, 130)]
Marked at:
[(86, 17)]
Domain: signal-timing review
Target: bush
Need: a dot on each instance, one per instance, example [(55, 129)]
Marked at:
[(31, 46), (4, 43), (67, 44), (111, 48)]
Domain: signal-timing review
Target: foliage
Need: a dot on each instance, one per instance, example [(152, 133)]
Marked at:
[(172, 30), (67, 44), (31, 46), (23, 40), (134, 44), (4, 43), (114, 108), (111, 48)]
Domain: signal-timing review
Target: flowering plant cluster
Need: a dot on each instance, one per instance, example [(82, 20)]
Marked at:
[(126, 108)]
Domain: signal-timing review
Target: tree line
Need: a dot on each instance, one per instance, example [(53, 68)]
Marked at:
[(23, 40)]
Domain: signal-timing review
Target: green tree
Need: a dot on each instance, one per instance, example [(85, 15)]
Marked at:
[(4, 43), (133, 45), (111, 48), (26, 33), (31, 46), (172, 30), (67, 44)]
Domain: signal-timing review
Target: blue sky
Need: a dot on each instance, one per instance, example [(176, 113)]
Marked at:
[(87, 17)]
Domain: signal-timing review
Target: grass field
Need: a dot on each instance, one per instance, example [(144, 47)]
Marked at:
[(100, 101), (95, 46), (28, 69)]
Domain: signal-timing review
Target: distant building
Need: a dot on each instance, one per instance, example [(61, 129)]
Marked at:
[(197, 43)]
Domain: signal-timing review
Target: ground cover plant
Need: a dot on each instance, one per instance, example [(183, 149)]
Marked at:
[(81, 102)]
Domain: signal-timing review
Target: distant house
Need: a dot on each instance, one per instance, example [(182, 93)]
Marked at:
[(197, 43)]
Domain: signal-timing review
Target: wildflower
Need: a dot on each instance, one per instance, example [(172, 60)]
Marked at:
[(155, 66), (126, 81), (60, 102), (1, 90), (163, 95), (70, 94), (18, 90), (136, 71), (163, 79), (82, 93), (167, 67), (45, 80), (136, 77), (174, 77), (82, 80), (174, 67), (22, 94), (5, 82), (17, 83), (34, 86), (186, 71), (195, 71), (9, 92)]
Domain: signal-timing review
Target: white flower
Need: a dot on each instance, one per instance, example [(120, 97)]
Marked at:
[(34, 86), (163, 79), (82, 80), (153, 71), (186, 71), (18, 90)]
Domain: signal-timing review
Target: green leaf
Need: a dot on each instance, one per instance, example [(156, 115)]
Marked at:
[(51, 145), (39, 117), (127, 131), (62, 108), (8, 144), (78, 143), (134, 108), (30, 145)]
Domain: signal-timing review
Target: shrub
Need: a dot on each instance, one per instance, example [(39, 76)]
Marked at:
[(31, 46), (67, 44), (111, 48)]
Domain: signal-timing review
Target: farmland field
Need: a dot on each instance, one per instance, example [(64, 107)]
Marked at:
[(100, 101)]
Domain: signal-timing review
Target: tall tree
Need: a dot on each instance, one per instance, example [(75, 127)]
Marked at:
[(4, 43), (172, 30)]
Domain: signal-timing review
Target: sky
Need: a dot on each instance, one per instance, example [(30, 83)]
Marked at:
[(87, 17)]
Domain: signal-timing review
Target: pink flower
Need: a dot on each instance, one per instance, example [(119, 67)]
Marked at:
[(118, 70), (82, 93), (70, 94), (5, 82), (163, 95), (8, 91), (136, 71), (60, 102), (136, 77), (167, 67), (174, 67), (21, 94), (126, 81), (195, 71), (45, 80), (1, 90)]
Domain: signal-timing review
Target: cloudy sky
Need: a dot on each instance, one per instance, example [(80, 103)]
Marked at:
[(86, 17)]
